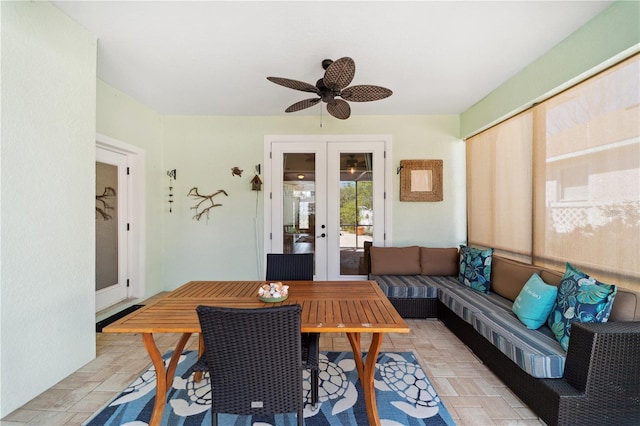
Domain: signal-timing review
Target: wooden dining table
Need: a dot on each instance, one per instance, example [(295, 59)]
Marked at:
[(350, 307)]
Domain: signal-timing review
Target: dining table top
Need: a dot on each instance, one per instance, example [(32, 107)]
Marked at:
[(327, 306)]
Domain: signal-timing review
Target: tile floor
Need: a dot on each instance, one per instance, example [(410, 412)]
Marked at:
[(472, 394)]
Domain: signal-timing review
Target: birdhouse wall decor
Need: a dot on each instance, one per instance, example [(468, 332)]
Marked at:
[(256, 183)]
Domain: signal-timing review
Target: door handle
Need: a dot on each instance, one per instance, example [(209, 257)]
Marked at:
[(322, 235)]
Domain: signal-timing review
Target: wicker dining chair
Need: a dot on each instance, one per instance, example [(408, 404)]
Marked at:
[(289, 267), (298, 267), (254, 359)]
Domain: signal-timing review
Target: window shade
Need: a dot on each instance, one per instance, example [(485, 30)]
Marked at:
[(561, 181), (499, 183), (587, 176)]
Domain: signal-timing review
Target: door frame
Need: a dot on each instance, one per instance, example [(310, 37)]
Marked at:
[(135, 213), (304, 139)]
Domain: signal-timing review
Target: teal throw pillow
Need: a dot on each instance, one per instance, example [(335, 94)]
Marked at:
[(580, 298), (475, 268), (535, 301)]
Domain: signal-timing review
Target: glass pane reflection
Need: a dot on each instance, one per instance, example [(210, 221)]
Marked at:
[(299, 206)]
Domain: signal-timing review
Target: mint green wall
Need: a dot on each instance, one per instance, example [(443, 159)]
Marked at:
[(615, 30), (203, 150), (47, 238)]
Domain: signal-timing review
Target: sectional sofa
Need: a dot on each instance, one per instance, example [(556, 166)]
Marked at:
[(596, 381)]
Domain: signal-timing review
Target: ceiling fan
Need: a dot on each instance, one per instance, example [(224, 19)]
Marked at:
[(337, 76)]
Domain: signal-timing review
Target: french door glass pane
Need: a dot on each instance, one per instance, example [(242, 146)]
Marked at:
[(356, 210), (106, 225), (299, 205)]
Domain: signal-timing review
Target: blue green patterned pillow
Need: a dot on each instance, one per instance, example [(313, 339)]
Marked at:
[(475, 268), (460, 265), (580, 298)]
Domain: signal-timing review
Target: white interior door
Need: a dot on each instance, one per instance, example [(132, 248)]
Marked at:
[(111, 227), (327, 198)]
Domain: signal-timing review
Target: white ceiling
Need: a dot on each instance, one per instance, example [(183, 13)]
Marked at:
[(213, 57)]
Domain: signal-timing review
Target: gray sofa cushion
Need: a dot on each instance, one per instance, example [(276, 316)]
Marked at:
[(535, 351), (405, 286)]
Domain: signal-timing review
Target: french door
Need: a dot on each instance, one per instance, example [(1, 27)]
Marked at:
[(111, 227), (326, 197)]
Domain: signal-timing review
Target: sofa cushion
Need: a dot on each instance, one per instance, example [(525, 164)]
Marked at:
[(535, 351), (626, 306), (405, 286), (534, 303), (551, 277), (395, 260), (438, 261), (475, 268), (509, 276), (464, 301), (580, 298)]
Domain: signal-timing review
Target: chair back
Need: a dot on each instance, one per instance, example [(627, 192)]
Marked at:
[(289, 267), (254, 359)]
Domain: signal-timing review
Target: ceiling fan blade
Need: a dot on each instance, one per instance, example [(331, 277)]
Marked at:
[(294, 84), (340, 73), (339, 109), (365, 93), (302, 105)]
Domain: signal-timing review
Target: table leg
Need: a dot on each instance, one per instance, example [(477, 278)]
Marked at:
[(197, 376), (164, 377), (366, 372), (354, 339), (369, 376)]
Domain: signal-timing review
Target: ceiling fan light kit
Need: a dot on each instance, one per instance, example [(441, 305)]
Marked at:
[(337, 77)]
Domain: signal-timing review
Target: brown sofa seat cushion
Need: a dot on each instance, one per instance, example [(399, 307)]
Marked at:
[(439, 261), (626, 306), (395, 260), (509, 276)]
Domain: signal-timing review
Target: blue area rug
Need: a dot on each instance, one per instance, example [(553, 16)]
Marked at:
[(404, 395)]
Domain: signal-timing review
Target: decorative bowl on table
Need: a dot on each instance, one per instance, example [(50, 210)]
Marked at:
[(273, 292)]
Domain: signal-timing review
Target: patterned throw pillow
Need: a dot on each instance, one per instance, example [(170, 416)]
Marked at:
[(460, 267), (475, 268), (580, 298)]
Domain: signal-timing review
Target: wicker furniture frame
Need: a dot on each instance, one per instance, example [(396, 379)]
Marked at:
[(258, 367), (601, 383), (415, 307)]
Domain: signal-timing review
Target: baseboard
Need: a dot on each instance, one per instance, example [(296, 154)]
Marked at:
[(105, 322)]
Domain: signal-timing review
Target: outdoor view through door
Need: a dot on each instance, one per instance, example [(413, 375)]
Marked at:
[(355, 209), (326, 195)]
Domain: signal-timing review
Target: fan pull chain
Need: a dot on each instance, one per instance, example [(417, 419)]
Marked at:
[(320, 114)]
